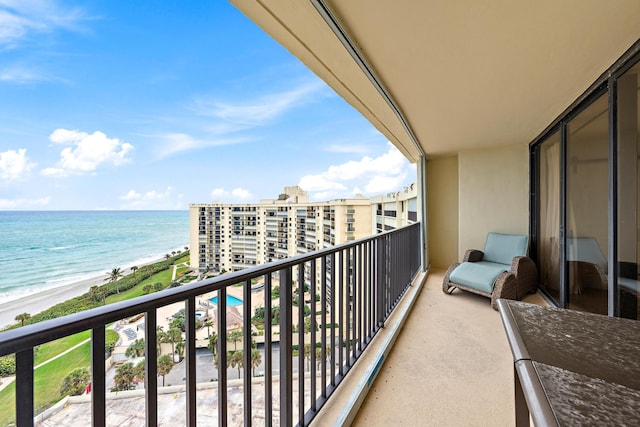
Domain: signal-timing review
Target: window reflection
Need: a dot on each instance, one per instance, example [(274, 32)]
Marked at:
[(587, 175), (628, 98)]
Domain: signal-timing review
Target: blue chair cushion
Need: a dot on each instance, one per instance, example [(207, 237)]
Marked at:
[(480, 275), (501, 248), (585, 249)]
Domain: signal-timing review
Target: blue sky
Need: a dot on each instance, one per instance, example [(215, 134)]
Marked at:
[(154, 105)]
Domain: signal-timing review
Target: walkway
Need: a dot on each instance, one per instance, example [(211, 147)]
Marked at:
[(8, 380)]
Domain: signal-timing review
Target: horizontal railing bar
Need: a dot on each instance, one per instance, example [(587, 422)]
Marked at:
[(29, 336)]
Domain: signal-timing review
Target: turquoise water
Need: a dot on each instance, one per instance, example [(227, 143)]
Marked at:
[(231, 300), (47, 249)]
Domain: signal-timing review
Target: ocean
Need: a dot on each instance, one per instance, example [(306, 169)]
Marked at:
[(41, 250)]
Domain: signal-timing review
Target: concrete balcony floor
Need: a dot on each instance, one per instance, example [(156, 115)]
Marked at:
[(451, 365)]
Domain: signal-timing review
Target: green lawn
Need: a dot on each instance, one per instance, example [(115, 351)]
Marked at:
[(163, 277), (53, 348), (47, 381)]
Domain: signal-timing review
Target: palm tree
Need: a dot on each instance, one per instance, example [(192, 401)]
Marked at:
[(307, 354), (165, 364), (180, 349), (75, 383), (134, 269), (173, 336), (124, 378), (213, 343), (208, 324), (234, 337), (236, 359), (22, 317), (139, 371), (160, 337), (256, 359), (113, 276), (136, 349)]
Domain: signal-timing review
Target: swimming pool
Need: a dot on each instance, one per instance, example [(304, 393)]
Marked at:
[(231, 300)]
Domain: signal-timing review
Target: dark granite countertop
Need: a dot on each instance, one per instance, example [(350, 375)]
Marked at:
[(587, 364)]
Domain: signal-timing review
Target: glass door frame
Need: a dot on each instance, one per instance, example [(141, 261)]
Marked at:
[(606, 84)]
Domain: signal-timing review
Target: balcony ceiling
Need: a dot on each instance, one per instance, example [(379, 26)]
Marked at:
[(465, 75)]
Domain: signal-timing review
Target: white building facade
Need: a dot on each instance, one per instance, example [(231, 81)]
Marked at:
[(231, 237)]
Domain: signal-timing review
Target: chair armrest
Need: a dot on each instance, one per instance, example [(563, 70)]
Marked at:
[(587, 275), (473, 255), (526, 274)]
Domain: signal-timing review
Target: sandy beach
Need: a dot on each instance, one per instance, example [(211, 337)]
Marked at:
[(44, 299)]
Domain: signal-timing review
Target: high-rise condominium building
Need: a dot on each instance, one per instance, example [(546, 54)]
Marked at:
[(230, 237)]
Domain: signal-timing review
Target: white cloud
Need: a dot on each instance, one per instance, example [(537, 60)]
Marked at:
[(173, 143), (263, 109), (226, 119), (14, 164), (20, 75), (153, 199), (21, 18), (236, 194), (387, 172), (86, 152), (11, 204), (149, 195), (347, 148)]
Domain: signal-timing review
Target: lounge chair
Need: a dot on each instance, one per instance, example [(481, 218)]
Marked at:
[(502, 270)]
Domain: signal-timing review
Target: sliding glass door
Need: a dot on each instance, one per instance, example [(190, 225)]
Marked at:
[(586, 188)]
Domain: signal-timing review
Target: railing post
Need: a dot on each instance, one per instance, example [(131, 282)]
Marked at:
[(24, 387), (190, 338), (301, 344), (312, 373), (268, 366), (380, 280), (98, 394), (151, 367), (286, 349), (247, 348), (222, 357)]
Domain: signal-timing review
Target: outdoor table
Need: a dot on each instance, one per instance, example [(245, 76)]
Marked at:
[(573, 368)]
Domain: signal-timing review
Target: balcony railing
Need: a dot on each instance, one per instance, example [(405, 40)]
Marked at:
[(359, 285)]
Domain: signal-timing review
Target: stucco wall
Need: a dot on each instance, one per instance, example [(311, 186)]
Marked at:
[(442, 210), (493, 190)]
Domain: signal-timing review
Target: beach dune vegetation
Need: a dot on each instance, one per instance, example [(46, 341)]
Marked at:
[(97, 295)]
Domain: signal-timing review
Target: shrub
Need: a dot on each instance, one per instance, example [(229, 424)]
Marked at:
[(7, 365), (75, 382), (111, 339)]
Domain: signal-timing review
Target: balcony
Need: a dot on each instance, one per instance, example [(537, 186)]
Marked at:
[(292, 389), (450, 364)]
